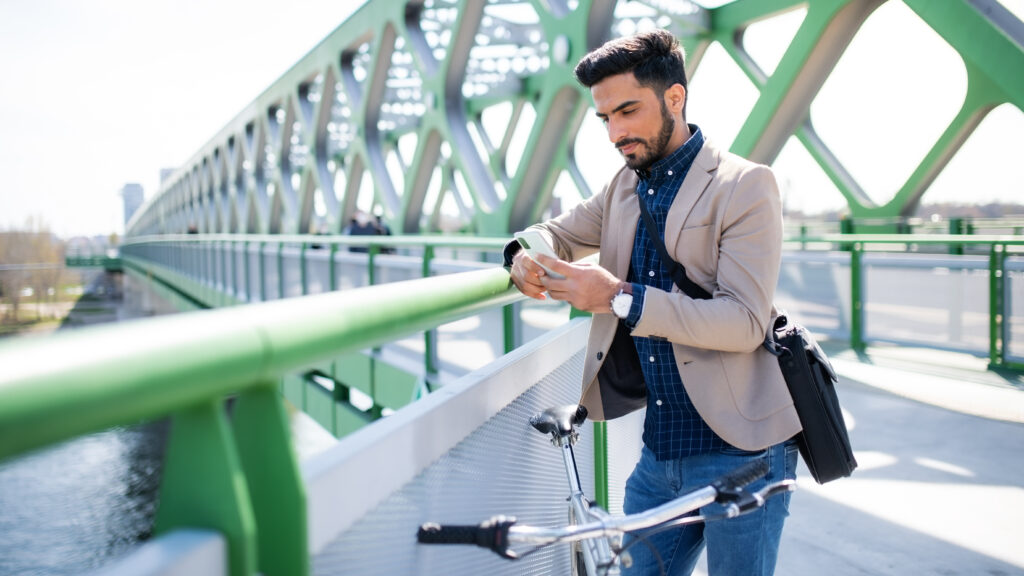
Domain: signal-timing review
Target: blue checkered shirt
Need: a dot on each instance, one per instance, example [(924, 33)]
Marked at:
[(673, 428)]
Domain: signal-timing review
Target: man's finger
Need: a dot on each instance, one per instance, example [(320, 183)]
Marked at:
[(554, 264)]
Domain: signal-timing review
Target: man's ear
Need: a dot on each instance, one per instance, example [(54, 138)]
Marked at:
[(675, 97)]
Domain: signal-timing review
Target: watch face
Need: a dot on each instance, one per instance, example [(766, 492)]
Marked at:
[(621, 304)]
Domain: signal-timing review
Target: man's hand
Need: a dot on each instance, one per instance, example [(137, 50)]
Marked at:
[(526, 275), (588, 287)]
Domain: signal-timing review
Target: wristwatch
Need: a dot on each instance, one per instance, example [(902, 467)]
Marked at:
[(623, 301)]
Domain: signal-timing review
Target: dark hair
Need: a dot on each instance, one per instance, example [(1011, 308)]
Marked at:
[(655, 59)]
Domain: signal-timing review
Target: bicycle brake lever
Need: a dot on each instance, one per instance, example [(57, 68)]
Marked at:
[(493, 534), (775, 488), (746, 501)]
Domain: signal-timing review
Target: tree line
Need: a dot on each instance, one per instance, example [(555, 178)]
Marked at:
[(31, 271)]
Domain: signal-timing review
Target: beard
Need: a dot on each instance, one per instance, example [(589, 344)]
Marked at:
[(655, 152)]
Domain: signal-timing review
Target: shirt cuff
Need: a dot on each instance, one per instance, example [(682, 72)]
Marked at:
[(636, 309), (509, 253)]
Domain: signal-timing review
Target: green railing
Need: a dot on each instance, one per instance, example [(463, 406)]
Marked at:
[(238, 277), (998, 248), (236, 474)]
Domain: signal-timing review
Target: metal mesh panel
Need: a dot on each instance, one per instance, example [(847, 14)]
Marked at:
[(940, 302), (504, 467), (239, 258), (814, 288), (625, 439), (318, 272), (253, 256), (292, 271)]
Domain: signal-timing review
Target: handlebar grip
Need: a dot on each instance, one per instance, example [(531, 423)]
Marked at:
[(449, 534), (492, 534), (742, 476)]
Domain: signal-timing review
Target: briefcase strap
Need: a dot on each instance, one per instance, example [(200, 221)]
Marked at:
[(678, 271), (690, 288)]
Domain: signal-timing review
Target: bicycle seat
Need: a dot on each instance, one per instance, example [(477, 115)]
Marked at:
[(559, 420)]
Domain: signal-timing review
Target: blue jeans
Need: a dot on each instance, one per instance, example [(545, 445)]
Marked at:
[(743, 546)]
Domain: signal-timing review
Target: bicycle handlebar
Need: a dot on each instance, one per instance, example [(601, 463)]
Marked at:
[(491, 534), (740, 477), (497, 533)]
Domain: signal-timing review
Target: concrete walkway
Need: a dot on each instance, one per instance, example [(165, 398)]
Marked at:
[(940, 487)]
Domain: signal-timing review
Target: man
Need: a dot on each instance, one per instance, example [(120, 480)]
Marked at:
[(715, 399)]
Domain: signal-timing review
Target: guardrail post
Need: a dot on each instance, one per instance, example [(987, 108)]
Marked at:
[(224, 254), (601, 464), (856, 297), (275, 483), (262, 273), (430, 357), (246, 270), (996, 345), (203, 485), (846, 227), (302, 269), (280, 270), (956, 227), (331, 268), (372, 250), (510, 321)]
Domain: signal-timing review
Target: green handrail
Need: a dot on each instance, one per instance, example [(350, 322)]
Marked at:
[(230, 476), (999, 246)]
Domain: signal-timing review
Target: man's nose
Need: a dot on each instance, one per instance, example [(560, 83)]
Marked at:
[(615, 133)]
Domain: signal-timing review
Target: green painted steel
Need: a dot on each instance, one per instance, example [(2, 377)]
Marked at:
[(996, 355), (240, 478), (857, 297), (601, 464), (462, 115), (999, 246), (203, 483), (110, 264), (275, 483)]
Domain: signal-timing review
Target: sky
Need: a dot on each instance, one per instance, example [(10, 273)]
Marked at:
[(101, 93)]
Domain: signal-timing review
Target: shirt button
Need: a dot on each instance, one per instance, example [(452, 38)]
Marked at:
[(658, 402), (651, 191), (652, 358), (651, 273), (669, 172)]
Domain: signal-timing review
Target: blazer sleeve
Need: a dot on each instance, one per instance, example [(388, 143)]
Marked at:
[(579, 232)]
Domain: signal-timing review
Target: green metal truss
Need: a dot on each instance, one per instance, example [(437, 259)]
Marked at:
[(462, 115)]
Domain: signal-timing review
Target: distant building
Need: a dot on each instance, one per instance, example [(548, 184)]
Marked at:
[(133, 196)]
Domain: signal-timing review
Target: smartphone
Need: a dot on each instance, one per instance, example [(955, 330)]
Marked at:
[(534, 243)]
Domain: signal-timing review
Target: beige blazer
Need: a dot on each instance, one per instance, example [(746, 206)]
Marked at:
[(725, 227)]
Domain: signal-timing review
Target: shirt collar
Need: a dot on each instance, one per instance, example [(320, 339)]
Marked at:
[(677, 162)]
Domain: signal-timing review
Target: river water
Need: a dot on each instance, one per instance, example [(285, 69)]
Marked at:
[(76, 506)]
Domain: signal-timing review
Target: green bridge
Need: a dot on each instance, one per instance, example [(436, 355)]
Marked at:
[(457, 122)]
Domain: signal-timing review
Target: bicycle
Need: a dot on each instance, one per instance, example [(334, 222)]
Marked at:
[(596, 535)]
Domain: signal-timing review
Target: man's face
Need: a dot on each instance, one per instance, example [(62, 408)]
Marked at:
[(639, 123)]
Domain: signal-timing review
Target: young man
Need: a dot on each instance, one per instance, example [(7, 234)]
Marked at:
[(715, 399)]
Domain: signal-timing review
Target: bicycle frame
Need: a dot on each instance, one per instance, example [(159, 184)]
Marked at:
[(595, 551), (597, 532)]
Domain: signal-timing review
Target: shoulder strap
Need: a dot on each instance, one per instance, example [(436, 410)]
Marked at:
[(677, 270)]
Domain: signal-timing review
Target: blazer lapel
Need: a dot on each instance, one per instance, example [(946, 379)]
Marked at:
[(695, 183), (629, 212)]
